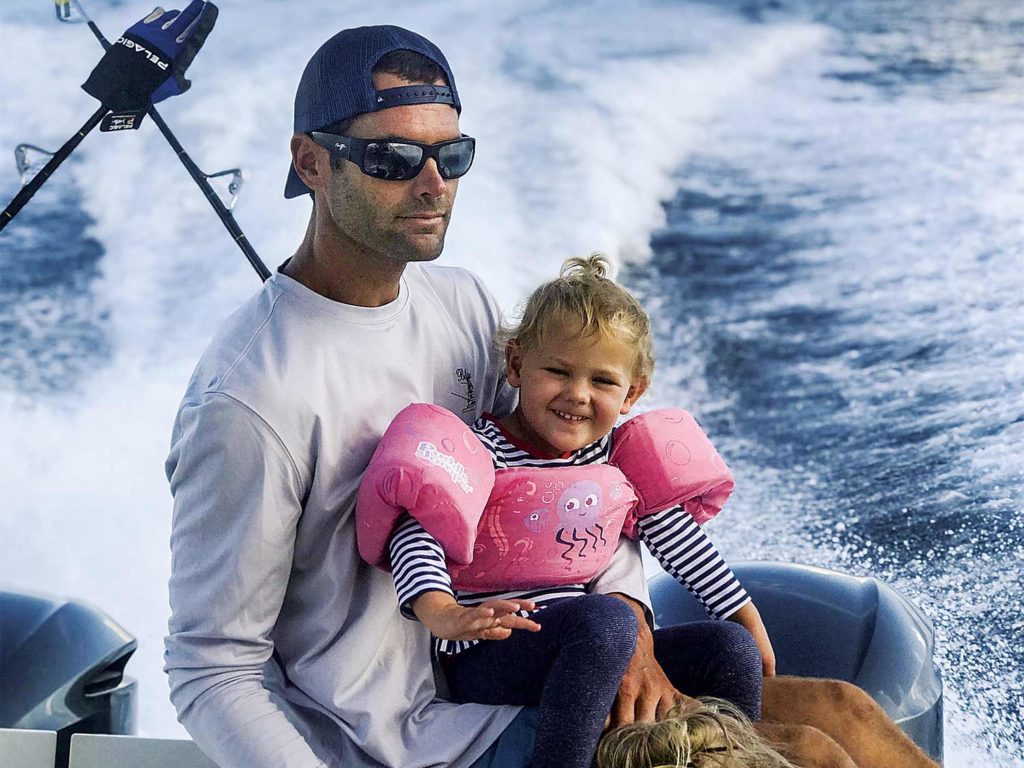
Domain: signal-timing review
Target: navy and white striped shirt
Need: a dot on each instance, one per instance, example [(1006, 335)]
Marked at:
[(672, 535)]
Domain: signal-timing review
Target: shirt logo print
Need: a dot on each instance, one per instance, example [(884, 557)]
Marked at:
[(464, 377)]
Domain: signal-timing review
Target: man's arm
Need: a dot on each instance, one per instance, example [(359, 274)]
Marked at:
[(624, 577), (645, 692), (237, 499)]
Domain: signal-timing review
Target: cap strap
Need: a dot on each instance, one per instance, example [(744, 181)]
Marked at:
[(414, 94)]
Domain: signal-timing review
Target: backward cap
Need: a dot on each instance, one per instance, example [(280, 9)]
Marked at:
[(337, 84)]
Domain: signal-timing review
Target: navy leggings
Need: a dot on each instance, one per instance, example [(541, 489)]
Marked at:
[(572, 669)]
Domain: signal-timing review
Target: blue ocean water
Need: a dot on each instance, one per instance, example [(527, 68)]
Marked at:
[(51, 323), (819, 202)]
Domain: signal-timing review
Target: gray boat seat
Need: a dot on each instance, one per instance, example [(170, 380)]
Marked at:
[(93, 750), (27, 749)]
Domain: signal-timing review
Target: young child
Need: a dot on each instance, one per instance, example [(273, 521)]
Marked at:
[(714, 735), (581, 357)]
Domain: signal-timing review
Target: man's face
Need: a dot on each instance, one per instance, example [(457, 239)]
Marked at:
[(401, 220)]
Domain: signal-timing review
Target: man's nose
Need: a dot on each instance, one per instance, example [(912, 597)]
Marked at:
[(429, 182)]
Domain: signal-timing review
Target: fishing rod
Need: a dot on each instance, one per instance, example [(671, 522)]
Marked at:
[(200, 178), (125, 120)]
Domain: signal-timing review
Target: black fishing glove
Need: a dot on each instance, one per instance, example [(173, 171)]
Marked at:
[(147, 63)]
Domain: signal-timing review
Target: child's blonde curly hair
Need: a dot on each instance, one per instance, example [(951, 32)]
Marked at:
[(584, 299), (717, 735)]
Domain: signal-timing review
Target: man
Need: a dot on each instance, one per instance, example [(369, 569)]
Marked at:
[(285, 649)]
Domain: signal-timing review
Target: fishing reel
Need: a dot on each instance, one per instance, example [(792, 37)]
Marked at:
[(227, 184)]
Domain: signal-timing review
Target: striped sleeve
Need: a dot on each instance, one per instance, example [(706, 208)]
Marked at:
[(417, 564), (685, 551)]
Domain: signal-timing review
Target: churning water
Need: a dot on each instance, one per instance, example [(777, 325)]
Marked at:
[(821, 204)]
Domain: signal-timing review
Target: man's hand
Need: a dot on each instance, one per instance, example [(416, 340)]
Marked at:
[(493, 620), (147, 63), (645, 694)]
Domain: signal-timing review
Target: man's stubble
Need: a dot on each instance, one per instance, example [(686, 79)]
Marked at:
[(371, 224)]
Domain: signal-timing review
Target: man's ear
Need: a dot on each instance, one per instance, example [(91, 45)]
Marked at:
[(312, 162), (637, 387), (513, 362)]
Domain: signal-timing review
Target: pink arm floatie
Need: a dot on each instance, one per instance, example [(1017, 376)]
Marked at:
[(429, 464), (669, 461)]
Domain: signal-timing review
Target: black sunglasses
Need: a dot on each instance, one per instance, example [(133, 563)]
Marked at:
[(400, 160)]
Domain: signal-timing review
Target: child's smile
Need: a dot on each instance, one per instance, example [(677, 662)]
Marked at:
[(569, 416)]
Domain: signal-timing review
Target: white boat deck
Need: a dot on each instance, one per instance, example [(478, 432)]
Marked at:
[(38, 749)]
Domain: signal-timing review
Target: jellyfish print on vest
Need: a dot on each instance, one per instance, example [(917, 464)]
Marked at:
[(579, 519)]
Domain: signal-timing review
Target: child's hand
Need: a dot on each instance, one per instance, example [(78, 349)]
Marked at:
[(493, 620), (749, 617)]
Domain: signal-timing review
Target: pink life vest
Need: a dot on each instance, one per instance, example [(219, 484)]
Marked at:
[(547, 527), (520, 528)]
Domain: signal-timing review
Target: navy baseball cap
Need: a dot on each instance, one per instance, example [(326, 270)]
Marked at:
[(337, 84)]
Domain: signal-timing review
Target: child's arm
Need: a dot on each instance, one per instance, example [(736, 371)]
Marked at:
[(748, 616), (425, 591), (685, 551)]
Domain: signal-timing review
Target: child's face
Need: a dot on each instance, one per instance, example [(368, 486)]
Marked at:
[(572, 389)]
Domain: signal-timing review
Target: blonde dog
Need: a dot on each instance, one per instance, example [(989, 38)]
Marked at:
[(808, 723), (713, 735)]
